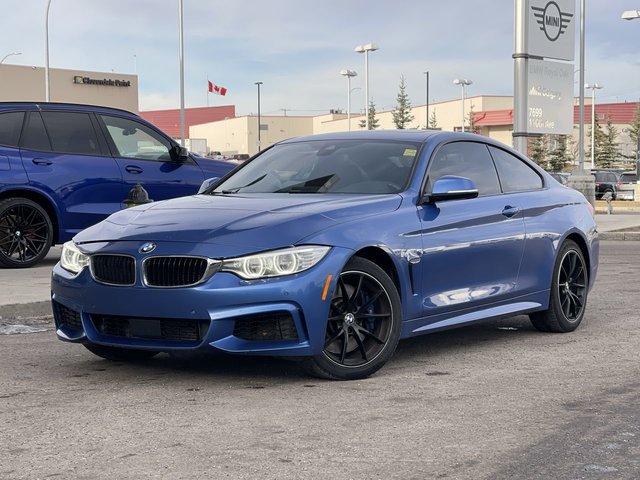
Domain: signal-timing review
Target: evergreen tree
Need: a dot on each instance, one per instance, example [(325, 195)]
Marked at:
[(373, 121), (538, 150), (599, 137), (433, 121), (610, 146), (402, 115), (559, 157)]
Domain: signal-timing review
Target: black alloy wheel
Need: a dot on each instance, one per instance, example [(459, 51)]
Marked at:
[(569, 291), (26, 233), (363, 327), (572, 285)]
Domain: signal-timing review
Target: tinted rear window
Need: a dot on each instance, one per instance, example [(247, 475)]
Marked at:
[(71, 132), (35, 136), (10, 127)]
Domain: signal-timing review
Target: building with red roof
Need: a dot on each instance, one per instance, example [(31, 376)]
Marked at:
[(169, 120)]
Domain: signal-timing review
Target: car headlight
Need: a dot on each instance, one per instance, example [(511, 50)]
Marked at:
[(72, 259), (276, 263)]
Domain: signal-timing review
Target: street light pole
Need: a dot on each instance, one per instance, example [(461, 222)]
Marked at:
[(632, 15), (180, 22), (369, 47), (258, 84), (462, 82), (8, 55), (348, 74), (47, 88), (426, 123), (593, 87)]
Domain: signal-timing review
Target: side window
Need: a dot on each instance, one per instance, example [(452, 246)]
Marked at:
[(515, 175), (35, 136), (136, 140), (71, 132), (10, 127), (465, 159)]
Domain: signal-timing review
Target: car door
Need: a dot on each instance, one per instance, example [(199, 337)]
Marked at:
[(143, 155), (472, 248), (65, 157), (525, 187)]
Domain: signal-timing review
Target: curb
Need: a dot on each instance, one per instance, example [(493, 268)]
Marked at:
[(633, 236)]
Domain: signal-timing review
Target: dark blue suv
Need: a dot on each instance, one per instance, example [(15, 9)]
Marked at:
[(64, 167)]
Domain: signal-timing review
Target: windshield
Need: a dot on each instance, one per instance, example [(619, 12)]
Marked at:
[(335, 166)]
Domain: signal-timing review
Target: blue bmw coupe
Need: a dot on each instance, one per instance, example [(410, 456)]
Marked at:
[(332, 248)]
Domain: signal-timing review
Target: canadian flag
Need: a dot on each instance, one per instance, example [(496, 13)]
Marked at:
[(216, 89)]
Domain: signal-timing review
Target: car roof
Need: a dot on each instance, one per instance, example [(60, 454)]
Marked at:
[(61, 106), (421, 136)]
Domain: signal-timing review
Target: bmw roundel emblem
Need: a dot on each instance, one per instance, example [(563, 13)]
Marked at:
[(147, 247)]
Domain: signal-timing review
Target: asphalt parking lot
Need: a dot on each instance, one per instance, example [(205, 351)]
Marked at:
[(492, 401)]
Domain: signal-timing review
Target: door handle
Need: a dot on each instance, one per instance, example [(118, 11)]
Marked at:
[(41, 162), (510, 211), (133, 169)]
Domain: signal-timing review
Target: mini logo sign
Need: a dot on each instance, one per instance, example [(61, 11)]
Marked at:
[(553, 22), (147, 247)]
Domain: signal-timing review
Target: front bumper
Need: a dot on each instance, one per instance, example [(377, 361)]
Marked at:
[(215, 307)]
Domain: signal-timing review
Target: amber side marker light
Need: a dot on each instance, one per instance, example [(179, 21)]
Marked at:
[(326, 287)]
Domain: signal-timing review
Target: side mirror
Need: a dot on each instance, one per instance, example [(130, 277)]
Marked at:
[(450, 187), (206, 185), (179, 153)]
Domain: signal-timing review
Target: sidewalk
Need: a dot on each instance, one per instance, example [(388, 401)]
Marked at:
[(620, 226)]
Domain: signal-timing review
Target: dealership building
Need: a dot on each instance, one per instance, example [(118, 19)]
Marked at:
[(110, 89)]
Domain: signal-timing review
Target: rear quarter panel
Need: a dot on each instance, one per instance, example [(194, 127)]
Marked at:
[(551, 216)]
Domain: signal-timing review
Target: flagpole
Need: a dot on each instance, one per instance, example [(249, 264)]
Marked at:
[(181, 34), (207, 90)]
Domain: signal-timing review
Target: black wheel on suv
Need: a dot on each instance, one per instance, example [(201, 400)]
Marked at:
[(26, 233)]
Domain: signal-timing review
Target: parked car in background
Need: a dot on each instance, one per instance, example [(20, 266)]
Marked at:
[(627, 187), (331, 248), (64, 167), (629, 177), (562, 178), (607, 181), (242, 157)]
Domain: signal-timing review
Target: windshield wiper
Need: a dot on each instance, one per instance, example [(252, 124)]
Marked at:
[(237, 189), (315, 185)]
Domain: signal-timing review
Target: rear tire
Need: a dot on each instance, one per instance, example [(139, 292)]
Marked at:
[(120, 354), (569, 289), (26, 233), (363, 327)]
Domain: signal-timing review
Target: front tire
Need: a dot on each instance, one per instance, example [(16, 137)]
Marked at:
[(120, 354), (363, 327), (26, 233), (569, 290)]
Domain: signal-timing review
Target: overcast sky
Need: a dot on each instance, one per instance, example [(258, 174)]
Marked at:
[(298, 47)]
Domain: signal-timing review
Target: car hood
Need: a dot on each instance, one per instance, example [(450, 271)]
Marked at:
[(250, 222)]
